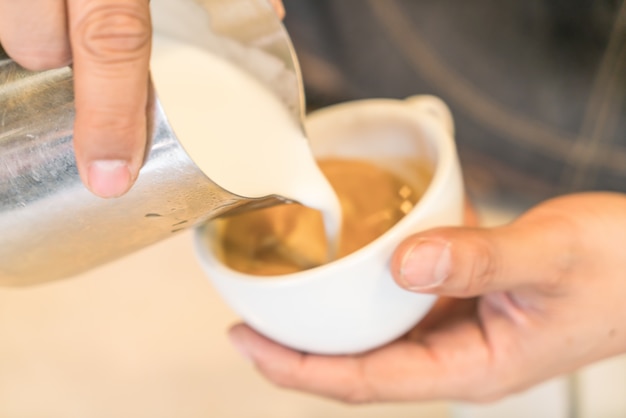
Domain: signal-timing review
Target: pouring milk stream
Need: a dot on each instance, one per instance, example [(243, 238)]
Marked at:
[(237, 132)]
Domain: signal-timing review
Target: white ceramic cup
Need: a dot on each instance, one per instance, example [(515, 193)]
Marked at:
[(353, 304)]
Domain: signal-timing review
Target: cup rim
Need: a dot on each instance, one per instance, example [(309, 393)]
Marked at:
[(444, 154)]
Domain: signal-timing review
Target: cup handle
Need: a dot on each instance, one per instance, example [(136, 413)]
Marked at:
[(435, 107)]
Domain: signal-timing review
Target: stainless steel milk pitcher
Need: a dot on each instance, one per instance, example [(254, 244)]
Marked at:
[(50, 225)]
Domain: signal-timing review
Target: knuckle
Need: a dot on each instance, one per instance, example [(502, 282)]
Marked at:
[(483, 266), (120, 134), (114, 120), (117, 32)]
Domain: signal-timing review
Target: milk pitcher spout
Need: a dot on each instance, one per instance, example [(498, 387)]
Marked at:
[(51, 226)]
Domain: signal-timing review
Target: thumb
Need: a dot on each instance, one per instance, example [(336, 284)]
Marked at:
[(466, 262)]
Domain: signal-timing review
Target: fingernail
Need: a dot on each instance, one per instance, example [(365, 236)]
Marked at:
[(109, 178), (240, 347), (426, 265)]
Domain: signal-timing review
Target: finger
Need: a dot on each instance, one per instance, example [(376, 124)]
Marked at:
[(34, 33), (111, 46), (444, 366), (278, 7), (462, 262)]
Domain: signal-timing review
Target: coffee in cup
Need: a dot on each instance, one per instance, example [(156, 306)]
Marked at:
[(291, 238), (352, 304)]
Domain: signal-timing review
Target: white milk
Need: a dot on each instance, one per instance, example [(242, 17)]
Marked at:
[(236, 131)]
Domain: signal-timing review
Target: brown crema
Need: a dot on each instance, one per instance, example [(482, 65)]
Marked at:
[(290, 238)]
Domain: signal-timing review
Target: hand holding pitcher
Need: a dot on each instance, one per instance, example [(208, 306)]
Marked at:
[(108, 44)]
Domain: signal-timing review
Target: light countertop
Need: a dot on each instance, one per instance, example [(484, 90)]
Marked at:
[(145, 336)]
